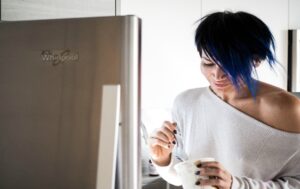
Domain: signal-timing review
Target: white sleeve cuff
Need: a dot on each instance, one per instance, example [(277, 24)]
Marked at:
[(168, 172), (235, 183)]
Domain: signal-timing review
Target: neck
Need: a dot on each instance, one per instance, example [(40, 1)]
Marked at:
[(231, 93)]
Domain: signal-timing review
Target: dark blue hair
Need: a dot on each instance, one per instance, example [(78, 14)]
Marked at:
[(235, 41)]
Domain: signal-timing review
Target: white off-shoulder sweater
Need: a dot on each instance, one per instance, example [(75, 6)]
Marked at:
[(257, 155)]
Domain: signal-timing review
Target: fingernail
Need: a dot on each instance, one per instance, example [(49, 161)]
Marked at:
[(175, 132), (197, 173), (198, 182), (199, 165), (174, 142)]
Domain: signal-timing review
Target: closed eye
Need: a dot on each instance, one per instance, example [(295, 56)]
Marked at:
[(208, 64)]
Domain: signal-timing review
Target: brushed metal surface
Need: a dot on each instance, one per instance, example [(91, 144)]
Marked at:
[(130, 170), (50, 114)]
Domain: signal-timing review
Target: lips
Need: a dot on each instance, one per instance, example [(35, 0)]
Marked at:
[(220, 84)]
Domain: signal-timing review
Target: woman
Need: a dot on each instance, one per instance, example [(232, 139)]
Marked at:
[(251, 128)]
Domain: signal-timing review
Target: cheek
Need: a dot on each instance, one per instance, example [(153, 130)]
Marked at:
[(205, 72)]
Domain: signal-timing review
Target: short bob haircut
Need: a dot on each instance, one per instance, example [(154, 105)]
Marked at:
[(235, 41)]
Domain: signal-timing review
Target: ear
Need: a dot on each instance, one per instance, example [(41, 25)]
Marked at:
[(256, 63)]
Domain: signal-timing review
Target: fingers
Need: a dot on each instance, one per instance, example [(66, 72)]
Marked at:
[(164, 134), (215, 175), (213, 172), (212, 164), (220, 184), (169, 129), (170, 126), (159, 142)]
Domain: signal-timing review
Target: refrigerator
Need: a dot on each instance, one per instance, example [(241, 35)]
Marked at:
[(70, 103)]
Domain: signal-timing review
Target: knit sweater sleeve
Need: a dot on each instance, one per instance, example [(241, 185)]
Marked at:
[(287, 182), (168, 172)]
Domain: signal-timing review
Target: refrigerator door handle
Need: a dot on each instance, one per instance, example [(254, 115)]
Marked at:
[(107, 152)]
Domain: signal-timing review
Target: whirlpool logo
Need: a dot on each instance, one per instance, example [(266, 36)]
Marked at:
[(56, 57)]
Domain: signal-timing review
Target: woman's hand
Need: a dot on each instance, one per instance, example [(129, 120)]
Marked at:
[(217, 174), (161, 143)]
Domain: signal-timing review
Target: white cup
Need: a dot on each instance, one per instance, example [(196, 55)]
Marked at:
[(186, 171)]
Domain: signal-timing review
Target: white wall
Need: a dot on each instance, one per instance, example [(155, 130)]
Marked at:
[(169, 57), (294, 14)]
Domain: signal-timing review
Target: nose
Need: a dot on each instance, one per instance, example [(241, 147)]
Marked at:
[(218, 73)]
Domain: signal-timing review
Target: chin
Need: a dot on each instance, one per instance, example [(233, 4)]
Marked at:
[(222, 88)]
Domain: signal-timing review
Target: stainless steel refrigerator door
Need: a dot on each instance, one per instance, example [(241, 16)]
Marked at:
[(51, 78)]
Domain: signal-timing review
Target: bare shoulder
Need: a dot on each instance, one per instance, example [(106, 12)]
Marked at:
[(280, 108)]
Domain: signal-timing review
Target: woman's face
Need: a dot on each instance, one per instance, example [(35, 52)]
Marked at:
[(217, 79)]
